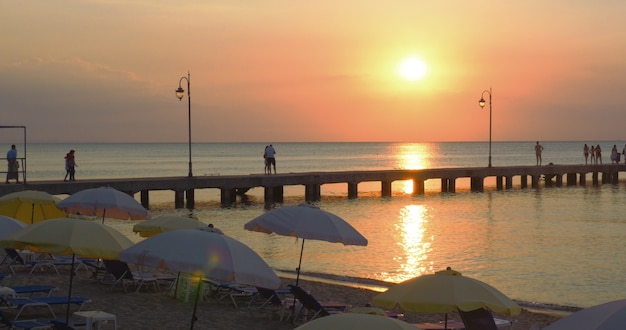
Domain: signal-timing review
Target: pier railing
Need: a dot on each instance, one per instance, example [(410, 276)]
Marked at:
[(231, 186)]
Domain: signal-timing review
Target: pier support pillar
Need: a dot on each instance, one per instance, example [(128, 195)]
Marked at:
[(279, 194), (191, 201), (228, 197), (524, 181), (534, 181), (418, 187), (594, 178), (145, 199), (448, 185), (385, 188), (353, 190), (571, 179), (583, 179), (559, 180), (477, 184), (268, 197), (509, 182), (312, 193), (615, 177), (179, 199), (499, 185)]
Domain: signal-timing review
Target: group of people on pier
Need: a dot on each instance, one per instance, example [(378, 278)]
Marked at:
[(596, 154)]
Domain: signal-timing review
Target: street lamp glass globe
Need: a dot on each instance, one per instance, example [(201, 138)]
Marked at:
[(180, 92), (482, 102)]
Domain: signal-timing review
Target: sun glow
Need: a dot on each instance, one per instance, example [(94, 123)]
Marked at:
[(412, 69)]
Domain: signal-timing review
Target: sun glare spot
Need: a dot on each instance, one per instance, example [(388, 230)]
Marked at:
[(412, 69)]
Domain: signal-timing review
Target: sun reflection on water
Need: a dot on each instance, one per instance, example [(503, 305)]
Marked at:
[(411, 229)]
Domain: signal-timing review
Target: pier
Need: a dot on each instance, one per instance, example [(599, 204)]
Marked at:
[(231, 186)]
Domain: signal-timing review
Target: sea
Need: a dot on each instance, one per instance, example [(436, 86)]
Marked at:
[(546, 247)]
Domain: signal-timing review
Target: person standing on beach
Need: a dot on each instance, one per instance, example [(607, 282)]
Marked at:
[(12, 165), (70, 166), (586, 153), (270, 156), (538, 150)]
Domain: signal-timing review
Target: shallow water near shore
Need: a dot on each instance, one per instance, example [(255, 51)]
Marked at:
[(545, 247)]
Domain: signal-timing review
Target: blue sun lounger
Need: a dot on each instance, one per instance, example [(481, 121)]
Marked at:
[(23, 302)]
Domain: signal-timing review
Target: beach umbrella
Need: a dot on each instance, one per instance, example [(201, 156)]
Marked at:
[(161, 224), (205, 254), (9, 225), (607, 316), (444, 292), (306, 221), (69, 236), (104, 202), (356, 321), (30, 206)]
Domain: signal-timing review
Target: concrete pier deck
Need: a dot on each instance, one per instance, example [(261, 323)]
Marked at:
[(231, 186)]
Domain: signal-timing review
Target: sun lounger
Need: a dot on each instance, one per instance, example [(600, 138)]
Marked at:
[(29, 289), (122, 274), (22, 302), (17, 260), (313, 307), (266, 300), (23, 324)]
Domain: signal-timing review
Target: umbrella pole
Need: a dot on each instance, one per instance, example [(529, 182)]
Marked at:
[(104, 212), (445, 321), (32, 215), (299, 263), (195, 304), (176, 286), (69, 295)]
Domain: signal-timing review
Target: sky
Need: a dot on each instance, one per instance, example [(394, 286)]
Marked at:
[(313, 71)]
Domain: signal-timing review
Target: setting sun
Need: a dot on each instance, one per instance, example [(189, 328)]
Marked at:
[(412, 68)]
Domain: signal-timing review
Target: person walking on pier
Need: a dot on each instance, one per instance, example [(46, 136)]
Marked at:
[(12, 165), (586, 153), (70, 165), (270, 156), (538, 150), (598, 154)]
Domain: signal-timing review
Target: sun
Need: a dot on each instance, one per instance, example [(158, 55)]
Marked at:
[(412, 69)]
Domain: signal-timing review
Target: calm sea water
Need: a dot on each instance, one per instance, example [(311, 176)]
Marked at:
[(560, 246)]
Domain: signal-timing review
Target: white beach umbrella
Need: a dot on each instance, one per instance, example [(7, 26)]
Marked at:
[(104, 202), (9, 225), (203, 253), (607, 316), (165, 223), (69, 236), (356, 321), (306, 221)]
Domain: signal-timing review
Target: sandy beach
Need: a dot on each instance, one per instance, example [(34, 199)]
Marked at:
[(151, 309)]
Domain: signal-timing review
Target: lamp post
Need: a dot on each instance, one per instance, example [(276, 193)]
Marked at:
[(180, 92), (482, 102)]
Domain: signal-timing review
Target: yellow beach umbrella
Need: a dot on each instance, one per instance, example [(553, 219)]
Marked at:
[(69, 236), (30, 206), (165, 223), (444, 292), (356, 321)]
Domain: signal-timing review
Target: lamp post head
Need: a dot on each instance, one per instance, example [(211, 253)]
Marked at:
[(481, 102), (180, 92)]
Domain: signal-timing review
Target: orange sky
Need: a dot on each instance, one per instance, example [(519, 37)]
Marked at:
[(272, 71)]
